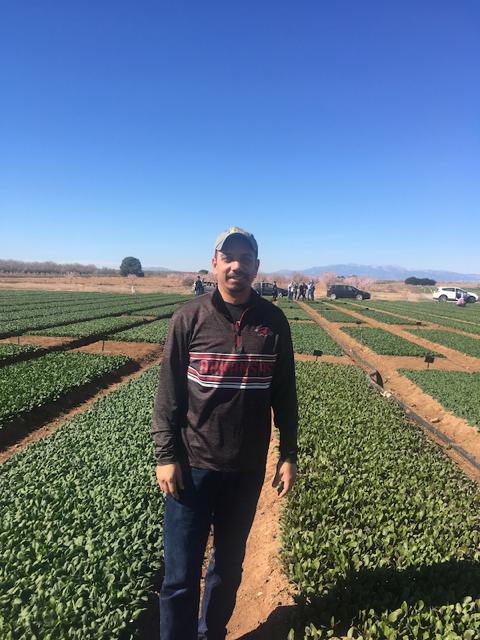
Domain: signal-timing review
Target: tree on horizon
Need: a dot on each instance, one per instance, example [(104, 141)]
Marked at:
[(131, 266)]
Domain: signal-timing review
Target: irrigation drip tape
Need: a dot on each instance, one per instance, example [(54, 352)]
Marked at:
[(429, 427), (375, 379)]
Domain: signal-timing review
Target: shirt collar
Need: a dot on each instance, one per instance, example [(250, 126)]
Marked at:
[(219, 303)]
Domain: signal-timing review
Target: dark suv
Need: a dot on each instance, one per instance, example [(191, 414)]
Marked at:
[(346, 291), (266, 289)]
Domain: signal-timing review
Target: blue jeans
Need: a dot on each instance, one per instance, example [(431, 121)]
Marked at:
[(226, 500)]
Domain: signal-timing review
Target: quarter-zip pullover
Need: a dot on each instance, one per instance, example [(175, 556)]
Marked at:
[(219, 380)]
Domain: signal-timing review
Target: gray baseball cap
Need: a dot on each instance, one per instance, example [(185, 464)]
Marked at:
[(235, 231)]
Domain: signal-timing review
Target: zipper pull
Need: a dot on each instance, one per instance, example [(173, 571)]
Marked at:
[(237, 335)]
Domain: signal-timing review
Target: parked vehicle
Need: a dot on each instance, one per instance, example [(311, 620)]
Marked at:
[(266, 289), (209, 286), (442, 294), (335, 291)]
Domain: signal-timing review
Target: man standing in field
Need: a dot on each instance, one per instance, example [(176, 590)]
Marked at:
[(228, 360)]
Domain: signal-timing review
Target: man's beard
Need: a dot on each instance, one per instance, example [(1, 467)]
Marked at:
[(239, 285)]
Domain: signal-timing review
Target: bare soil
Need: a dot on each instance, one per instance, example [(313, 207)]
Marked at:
[(167, 283), (142, 352), (337, 359), (264, 600), (40, 341)]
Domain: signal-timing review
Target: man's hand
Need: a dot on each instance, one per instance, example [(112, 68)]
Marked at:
[(169, 478), (284, 477)]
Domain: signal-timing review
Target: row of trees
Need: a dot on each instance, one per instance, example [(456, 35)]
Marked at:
[(129, 266), (53, 268), (427, 282)]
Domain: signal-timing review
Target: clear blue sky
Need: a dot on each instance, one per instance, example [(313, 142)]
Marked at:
[(335, 131)]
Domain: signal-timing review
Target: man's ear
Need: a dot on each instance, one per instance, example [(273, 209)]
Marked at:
[(214, 263), (258, 265)]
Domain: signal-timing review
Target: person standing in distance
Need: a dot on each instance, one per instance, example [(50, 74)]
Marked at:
[(274, 291), (228, 360), (198, 287)]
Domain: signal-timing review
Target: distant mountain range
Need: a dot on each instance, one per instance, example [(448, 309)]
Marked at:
[(385, 272), (157, 269)]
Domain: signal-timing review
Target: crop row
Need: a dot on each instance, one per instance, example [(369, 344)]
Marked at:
[(333, 315), (20, 299), (44, 308), (155, 332), (381, 535), (7, 350), (89, 328), (470, 313), (374, 315), (165, 311), (28, 385), (386, 343), (24, 299), (293, 312), (46, 311), (465, 344), (55, 318), (80, 524), (308, 338), (429, 317), (458, 391)]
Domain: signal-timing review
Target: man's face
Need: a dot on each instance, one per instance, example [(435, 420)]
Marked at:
[(235, 265)]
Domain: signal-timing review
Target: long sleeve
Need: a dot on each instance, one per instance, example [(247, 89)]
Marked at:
[(171, 400), (284, 396)]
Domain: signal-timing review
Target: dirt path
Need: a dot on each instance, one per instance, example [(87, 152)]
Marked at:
[(151, 283), (264, 601), (140, 351), (457, 429), (336, 359), (39, 341)]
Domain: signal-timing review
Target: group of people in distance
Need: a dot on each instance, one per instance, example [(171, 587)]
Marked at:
[(301, 291), (296, 291)]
